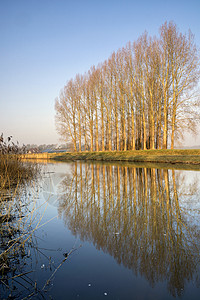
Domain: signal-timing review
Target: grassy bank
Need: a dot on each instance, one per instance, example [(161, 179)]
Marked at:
[(154, 156)]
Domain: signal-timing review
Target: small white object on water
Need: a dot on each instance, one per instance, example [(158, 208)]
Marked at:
[(89, 284), (42, 266), (116, 233), (105, 294)]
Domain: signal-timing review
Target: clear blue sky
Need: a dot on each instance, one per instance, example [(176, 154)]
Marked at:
[(44, 43)]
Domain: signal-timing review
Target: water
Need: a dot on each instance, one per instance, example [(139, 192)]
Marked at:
[(111, 231)]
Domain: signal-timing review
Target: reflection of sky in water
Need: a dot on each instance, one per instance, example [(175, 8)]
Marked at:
[(52, 181), (52, 187), (189, 198)]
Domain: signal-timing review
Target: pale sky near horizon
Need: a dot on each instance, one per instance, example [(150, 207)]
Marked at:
[(44, 43)]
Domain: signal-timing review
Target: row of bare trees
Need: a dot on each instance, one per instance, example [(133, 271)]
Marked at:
[(142, 97)]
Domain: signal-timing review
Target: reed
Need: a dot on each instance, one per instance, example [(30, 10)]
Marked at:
[(14, 171), (39, 156), (17, 221)]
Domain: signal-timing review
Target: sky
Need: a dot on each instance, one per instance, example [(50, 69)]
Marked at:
[(45, 43)]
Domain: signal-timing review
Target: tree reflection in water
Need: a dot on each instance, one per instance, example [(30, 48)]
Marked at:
[(134, 214)]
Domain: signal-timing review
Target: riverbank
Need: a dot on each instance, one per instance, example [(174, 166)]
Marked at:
[(155, 156)]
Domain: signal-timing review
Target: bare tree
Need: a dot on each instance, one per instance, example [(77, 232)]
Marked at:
[(139, 98)]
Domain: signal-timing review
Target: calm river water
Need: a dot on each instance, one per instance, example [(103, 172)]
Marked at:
[(116, 231)]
